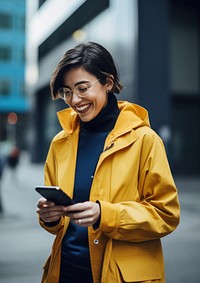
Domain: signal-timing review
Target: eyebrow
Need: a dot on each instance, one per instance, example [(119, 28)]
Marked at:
[(78, 83)]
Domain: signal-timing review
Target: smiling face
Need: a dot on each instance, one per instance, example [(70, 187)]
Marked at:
[(87, 107)]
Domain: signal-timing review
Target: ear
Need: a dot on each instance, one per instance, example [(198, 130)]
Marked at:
[(109, 82)]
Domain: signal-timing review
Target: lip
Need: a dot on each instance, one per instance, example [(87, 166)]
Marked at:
[(83, 108)]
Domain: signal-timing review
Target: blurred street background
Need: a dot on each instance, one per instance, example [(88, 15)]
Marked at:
[(156, 46), (24, 246)]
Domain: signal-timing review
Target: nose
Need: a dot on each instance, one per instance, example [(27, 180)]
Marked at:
[(75, 98)]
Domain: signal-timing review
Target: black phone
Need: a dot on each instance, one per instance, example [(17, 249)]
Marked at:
[(55, 194)]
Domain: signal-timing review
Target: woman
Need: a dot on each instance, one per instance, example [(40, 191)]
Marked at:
[(114, 166)]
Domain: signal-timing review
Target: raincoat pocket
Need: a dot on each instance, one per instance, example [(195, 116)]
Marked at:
[(140, 268)]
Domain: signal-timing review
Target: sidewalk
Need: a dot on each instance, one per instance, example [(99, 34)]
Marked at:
[(24, 246)]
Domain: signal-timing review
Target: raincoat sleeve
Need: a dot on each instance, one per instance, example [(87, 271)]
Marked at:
[(50, 180), (156, 214)]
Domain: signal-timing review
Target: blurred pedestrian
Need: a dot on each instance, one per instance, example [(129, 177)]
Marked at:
[(2, 166), (13, 159), (115, 166)]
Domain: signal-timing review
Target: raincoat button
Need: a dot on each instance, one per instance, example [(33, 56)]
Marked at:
[(96, 241)]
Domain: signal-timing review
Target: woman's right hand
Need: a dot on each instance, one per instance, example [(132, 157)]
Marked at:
[(48, 211)]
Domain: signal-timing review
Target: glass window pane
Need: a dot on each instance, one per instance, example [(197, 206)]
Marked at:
[(5, 87), (22, 23), (5, 53), (5, 21)]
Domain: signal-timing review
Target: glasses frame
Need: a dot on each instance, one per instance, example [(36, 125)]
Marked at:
[(88, 85)]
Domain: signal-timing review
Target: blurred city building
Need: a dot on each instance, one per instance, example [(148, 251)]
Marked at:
[(156, 46), (13, 101)]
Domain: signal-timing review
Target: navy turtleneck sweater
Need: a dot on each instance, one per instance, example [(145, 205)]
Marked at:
[(91, 142)]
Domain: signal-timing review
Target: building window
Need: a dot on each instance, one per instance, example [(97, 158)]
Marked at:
[(5, 87), (5, 20), (22, 23), (23, 92), (22, 54), (5, 53)]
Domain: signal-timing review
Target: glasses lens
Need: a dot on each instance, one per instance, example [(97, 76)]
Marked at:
[(81, 90), (64, 93)]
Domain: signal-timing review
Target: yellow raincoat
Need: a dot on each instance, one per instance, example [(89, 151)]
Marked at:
[(136, 192)]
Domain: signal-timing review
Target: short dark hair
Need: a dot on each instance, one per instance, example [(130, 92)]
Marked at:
[(94, 58)]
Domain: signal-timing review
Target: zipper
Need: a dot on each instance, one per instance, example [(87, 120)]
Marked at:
[(112, 143), (109, 147)]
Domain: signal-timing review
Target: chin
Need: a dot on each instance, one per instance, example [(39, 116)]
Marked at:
[(87, 118)]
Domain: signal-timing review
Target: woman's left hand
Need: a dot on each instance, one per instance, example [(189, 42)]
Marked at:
[(84, 213)]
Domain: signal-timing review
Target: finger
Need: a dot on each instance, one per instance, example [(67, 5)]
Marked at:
[(50, 215), (50, 218), (44, 203), (79, 207), (84, 222), (46, 209), (41, 202), (88, 210)]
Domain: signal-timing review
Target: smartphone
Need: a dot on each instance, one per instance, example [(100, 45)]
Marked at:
[(55, 194)]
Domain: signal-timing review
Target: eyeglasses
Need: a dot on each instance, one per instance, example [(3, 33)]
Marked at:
[(81, 90)]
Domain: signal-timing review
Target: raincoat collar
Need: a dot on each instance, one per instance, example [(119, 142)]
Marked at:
[(131, 117)]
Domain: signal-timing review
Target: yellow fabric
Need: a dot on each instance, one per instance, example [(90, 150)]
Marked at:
[(136, 192)]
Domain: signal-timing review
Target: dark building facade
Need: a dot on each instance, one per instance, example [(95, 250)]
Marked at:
[(156, 47), (169, 77)]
